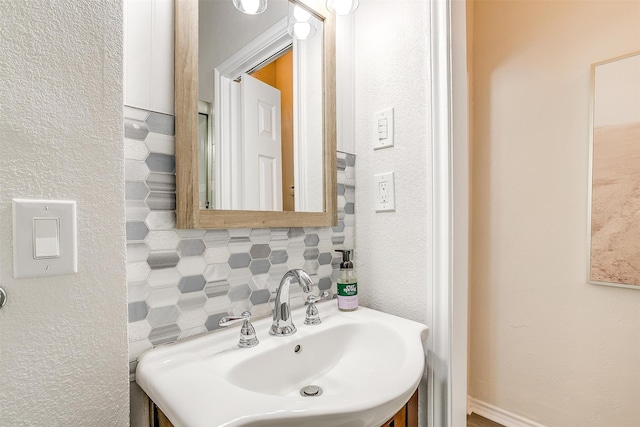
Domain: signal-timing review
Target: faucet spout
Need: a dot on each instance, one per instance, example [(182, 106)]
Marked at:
[(282, 322)]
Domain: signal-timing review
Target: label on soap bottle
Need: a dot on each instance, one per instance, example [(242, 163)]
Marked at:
[(348, 296)]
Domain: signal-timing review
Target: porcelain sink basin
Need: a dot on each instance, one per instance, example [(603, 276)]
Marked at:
[(367, 363)]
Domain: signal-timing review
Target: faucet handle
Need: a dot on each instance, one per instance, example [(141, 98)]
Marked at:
[(313, 317), (247, 332)]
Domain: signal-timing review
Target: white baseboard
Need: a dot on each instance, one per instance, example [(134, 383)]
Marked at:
[(498, 415)]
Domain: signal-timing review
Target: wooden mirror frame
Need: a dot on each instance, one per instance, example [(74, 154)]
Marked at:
[(188, 212)]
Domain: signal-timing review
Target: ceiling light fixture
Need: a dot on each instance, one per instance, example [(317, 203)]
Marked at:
[(251, 7)]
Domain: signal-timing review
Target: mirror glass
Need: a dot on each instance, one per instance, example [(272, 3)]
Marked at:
[(614, 256), (260, 112)]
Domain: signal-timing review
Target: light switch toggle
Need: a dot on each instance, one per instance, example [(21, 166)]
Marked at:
[(46, 238), (384, 129)]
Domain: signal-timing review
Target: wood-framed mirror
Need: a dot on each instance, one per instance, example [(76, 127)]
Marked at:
[(189, 212)]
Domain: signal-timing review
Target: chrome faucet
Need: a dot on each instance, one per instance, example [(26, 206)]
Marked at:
[(282, 322)]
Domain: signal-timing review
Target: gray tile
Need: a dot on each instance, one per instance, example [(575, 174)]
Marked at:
[(135, 170), (134, 129), (192, 301), (339, 228), (138, 291), (311, 254), (137, 252), (214, 238), (135, 190), (161, 123), (324, 284), (337, 240), (161, 163), (349, 208), (278, 257), (260, 296), (350, 160), (239, 244), (216, 289), (136, 210), (350, 195), (259, 266), (260, 251), (161, 220), (296, 233), (238, 293), (260, 235), (161, 181), (161, 201), (279, 234), (191, 233), (213, 321), (164, 334), (240, 232), (135, 150), (311, 266), (191, 247), (137, 311), (325, 258), (191, 284), (311, 240), (239, 260), (158, 260), (340, 190), (341, 163), (136, 231), (163, 316), (239, 276)]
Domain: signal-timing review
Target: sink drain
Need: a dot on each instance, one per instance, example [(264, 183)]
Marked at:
[(311, 391)]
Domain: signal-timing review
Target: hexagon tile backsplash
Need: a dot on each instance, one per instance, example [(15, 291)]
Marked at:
[(182, 282)]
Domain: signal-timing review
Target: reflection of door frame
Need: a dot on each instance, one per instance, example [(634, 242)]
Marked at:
[(268, 44), (273, 41)]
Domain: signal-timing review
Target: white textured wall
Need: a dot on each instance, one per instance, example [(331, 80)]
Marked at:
[(392, 250), (544, 344), (63, 339), (391, 67)]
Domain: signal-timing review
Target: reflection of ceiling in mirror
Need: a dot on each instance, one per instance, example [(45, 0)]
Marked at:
[(223, 30)]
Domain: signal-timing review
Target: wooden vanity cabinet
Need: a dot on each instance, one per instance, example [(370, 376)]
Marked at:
[(407, 416)]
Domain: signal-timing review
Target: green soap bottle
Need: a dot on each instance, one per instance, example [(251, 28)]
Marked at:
[(347, 283)]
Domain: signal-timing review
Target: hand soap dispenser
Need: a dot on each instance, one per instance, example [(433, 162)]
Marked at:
[(347, 283)]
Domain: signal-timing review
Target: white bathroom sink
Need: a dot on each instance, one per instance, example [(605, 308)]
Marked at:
[(367, 363)]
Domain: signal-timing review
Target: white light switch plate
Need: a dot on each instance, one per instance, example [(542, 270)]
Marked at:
[(48, 253), (384, 192), (383, 129)]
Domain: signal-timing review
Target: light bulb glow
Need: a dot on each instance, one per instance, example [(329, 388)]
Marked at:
[(250, 7), (301, 30), (300, 14), (342, 7)]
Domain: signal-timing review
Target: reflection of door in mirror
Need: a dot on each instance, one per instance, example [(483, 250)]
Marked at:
[(279, 74), (261, 160)]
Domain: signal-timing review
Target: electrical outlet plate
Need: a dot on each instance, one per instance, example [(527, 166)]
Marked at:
[(384, 192)]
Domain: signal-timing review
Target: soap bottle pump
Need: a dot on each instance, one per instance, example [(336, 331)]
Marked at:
[(347, 283)]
